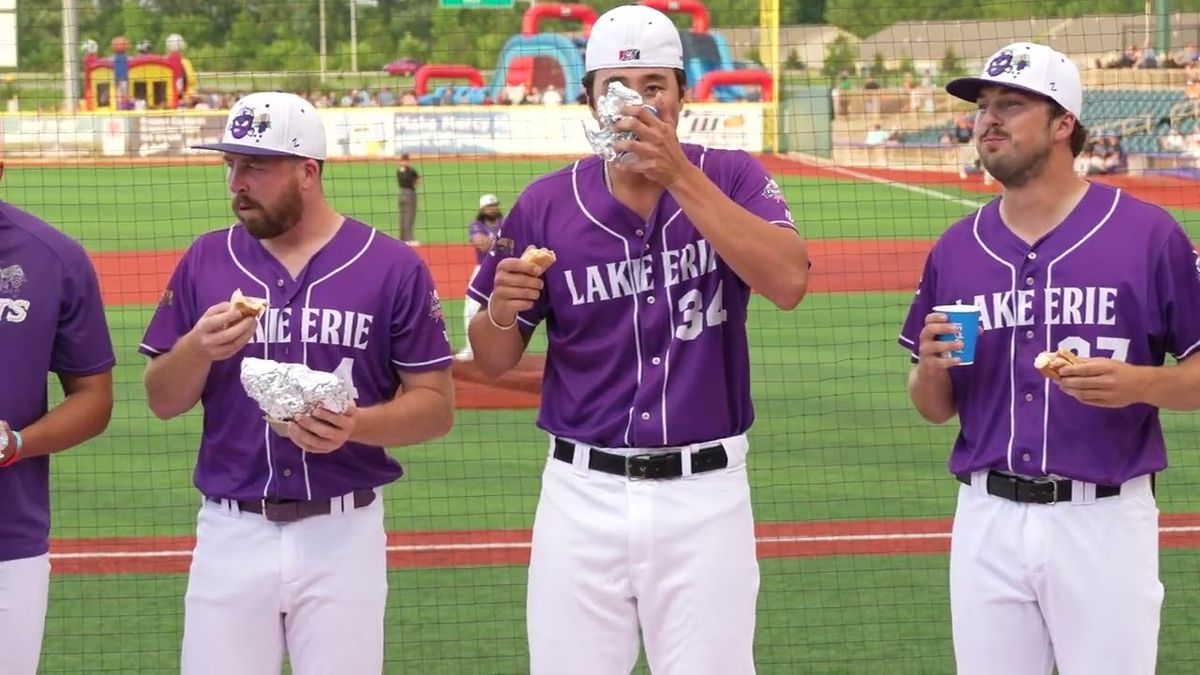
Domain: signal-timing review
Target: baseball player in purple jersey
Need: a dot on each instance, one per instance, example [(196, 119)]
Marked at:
[(51, 321), (482, 233), (644, 518), (1054, 554), (290, 543)]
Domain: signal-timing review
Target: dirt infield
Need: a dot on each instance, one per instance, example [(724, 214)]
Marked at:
[(479, 548)]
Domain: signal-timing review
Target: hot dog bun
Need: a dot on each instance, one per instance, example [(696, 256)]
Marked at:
[(249, 307), (542, 257), (1048, 363)]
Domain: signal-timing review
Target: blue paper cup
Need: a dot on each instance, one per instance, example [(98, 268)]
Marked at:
[(965, 319)]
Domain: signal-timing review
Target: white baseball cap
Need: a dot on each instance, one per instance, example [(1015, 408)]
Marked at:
[(1029, 67), (488, 200), (633, 36), (272, 124)]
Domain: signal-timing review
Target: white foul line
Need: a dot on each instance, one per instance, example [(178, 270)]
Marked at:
[(521, 545), (904, 186)]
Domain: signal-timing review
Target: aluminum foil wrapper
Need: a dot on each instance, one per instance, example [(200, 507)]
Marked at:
[(608, 109), (285, 390)]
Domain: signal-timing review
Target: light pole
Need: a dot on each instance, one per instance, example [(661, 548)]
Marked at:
[(70, 35), (354, 35), (321, 12)]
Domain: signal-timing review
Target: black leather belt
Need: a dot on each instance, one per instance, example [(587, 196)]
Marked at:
[(279, 510), (1033, 490), (648, 466)]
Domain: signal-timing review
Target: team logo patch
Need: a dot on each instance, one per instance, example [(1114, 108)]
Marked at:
[(435, 307), (248, 123), (12, 278), (1197, 254), (1008, 63), (167, 299), (629, 55), (772, 191)]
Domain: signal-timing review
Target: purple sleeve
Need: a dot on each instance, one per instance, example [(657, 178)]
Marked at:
[(510, 242), (476, 228), (1177, 278), (419, 341), (176, 312), (754, 190), (82, 343), (922, 305)]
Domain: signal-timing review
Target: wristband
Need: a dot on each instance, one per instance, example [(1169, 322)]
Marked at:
[(493, 320), (16, 453)]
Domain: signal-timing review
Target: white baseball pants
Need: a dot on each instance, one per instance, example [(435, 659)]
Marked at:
[(24, 592), (1073, 584), (315, 589), (674, 557)]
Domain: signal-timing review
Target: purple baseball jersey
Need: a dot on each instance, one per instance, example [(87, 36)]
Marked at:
[(646, 325), (1117, 279), (479, 227), (364, 307), (51, 321)]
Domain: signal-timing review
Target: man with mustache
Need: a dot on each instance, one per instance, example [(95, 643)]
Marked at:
[(290, 546), (1054, 550)]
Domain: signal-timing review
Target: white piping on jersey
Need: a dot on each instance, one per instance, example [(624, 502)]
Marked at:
[(1012, 342), (149, 348), (308, 299), (670, 317), (637, 336), (267, 295), (422, 363), (1187, 352), (1045, 311)]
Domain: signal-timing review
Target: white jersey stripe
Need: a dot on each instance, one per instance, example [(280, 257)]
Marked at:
[(1012, 343), (1046, 313)]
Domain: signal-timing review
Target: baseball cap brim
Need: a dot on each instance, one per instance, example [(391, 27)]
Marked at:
[(968, 88), (239, 149)]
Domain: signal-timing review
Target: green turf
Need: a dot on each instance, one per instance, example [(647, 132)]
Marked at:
[(126, 208), (866, 614), (835, 438)]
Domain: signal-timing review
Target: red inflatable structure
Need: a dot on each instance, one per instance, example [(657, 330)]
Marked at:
[(700, 18), (447, 71), (557, 10), (717, 78)]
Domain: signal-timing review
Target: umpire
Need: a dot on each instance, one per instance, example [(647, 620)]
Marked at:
[(407, 179)]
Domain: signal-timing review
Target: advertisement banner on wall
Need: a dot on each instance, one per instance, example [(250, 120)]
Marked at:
[(49, 135), (174, 135)]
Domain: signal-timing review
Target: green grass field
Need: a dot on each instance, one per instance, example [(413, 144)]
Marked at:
[(835, 439)]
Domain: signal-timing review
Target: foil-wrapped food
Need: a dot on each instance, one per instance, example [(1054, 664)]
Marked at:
[(285, 390), (608, 110)]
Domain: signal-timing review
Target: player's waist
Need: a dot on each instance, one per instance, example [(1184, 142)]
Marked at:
[(653, 463), (1052, 489), (285, 510)]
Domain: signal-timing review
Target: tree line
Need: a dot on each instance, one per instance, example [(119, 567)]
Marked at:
[(283, 35)]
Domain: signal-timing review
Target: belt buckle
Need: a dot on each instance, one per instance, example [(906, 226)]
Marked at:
[(629, 466), (281, 513)]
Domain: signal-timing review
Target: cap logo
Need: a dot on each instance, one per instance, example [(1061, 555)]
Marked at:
[(1006, 63), (246, 123), (630, 55)]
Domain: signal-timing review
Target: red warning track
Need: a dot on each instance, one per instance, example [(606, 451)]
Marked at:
[(481, 548), (845, 265)]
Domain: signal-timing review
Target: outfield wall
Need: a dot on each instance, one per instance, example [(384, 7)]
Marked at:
[(363, 133)]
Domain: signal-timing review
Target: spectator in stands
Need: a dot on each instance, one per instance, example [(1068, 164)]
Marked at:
[(910, 92), (1147, 58), (387, 98), (841, 95), (552, 96), (968, 156), (877, 136), (1099, 152), (1083, 162), (1172, 141), (1191, 146), (1116, 161), (347, 99), (871, 86), (1188, 56), (409, 97), (1193, 88)]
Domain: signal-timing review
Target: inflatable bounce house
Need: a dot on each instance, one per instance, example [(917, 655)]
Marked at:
[(536, 59), (539, 60), (120, 81)]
